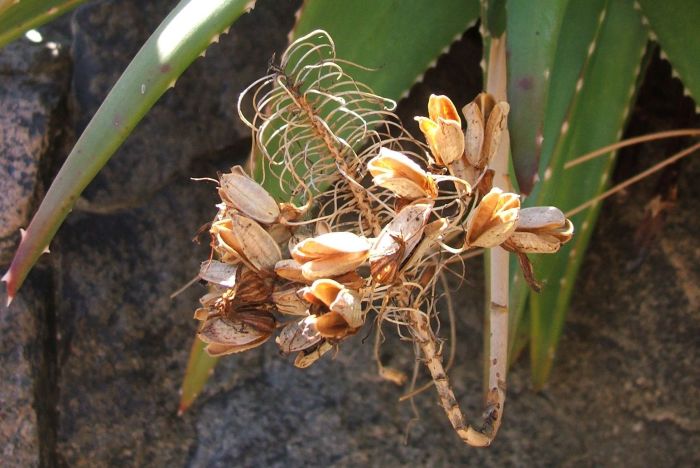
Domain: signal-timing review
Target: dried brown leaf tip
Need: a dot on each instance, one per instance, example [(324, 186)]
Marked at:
[(366, 228)]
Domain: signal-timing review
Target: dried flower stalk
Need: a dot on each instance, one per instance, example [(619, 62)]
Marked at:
[(367, 221)]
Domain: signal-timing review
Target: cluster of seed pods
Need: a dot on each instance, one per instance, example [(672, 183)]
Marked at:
[(376, 223)]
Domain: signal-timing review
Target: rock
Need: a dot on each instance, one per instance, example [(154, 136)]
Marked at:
[(123, 343), (19, 434), (195, 119), (33, 82), (27, 396)]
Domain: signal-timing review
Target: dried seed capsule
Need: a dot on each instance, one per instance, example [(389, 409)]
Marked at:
[(540, 218), (351, 280), (290, 269), (280, 233), (396, 172), (336, 298), (261, 320), (330, 254), (287, 300), (251, 288), (486, 120), (496, 123), (219, 273), (528, 242), (474, 135), (299, 335), (397, 240), (248, 197), (230, 336), (541, 229), (203, 313), (432, 232), (225, 252), (307, 357), (250, 241), (443, 130), (493, 220), (210, 298), (333, 325)]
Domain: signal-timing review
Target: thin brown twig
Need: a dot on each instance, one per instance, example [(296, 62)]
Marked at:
[(655, 168), (684, 132)]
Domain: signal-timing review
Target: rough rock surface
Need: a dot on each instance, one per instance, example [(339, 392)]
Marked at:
[(92, 354), (19, 428), (34, 82)]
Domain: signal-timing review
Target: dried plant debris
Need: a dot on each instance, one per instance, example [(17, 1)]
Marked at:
[(370, 218)]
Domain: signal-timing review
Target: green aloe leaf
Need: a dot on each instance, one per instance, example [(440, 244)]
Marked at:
[(592, 89), (582, 26), (675, 24), (532, 30), (199, 367), (182, 36), (400, 39), (19, 17)]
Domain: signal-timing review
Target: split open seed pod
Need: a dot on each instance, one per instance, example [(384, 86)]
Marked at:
[(443, 130), (287, 300), (233, 335), (397, 172), (486, 120), (431, 234), (338, 299), (249, 240), (541, 229), (397, 240), (218, 273), (252, 288), (290, 269), (248, 197), (332, 325), (493, 220), (330, 254), (298, 335)]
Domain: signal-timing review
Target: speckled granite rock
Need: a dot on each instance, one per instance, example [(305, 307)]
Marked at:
[(19, 434), (33, 81)]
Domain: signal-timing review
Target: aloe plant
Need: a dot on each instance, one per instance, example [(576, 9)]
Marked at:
[(591, 85), (18, 17), (573, 71)]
